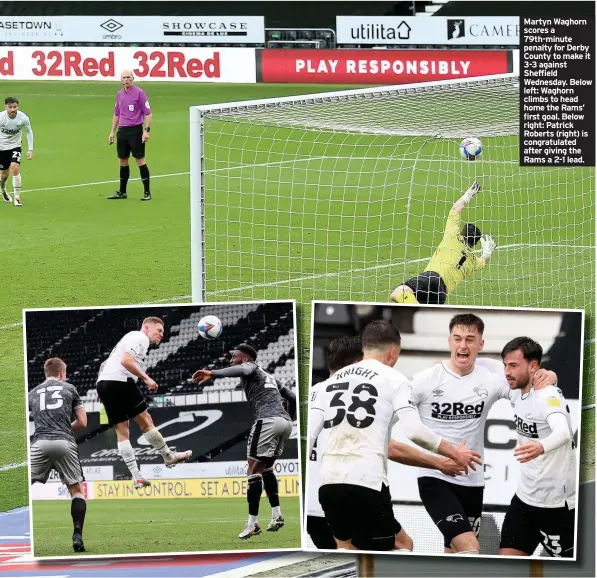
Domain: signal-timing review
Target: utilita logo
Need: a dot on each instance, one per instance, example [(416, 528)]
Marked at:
[(111, 26), (381, 32)]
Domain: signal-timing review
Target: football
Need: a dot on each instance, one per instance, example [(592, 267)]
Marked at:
[(471, 148), (210, 327)]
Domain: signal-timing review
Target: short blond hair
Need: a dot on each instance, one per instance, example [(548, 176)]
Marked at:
[(54, 366), (153, 320)]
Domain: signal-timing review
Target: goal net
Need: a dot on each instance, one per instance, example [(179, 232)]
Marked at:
[(345, 195)]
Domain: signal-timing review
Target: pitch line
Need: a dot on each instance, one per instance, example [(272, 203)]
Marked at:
[(385, 266), (12, 466)]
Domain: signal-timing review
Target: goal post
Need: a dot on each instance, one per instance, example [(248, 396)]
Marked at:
[(344, 195)]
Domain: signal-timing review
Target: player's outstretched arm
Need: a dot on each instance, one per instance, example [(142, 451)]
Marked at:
[(409, 456), (467, 197), (243, 369), (418, 433)]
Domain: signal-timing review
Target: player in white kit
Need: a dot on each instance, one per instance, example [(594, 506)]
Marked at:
[(543, 509), (454, 399), (118, 390), (359, 405), (345, 351), (12, 123)]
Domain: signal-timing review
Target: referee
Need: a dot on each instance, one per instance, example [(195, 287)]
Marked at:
[(131, 109)]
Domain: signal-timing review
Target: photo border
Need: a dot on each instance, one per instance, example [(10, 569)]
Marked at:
[(444, 307), (86, 557)]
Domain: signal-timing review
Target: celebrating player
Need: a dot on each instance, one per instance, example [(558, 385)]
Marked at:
[(543, 508), (52, 405), (359, 405), (345, 351), (271, 430), (454, 399), (12, 122), (130, 111), (118, 390), (452, 262)]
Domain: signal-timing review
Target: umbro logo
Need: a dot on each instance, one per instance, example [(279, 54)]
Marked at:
[(437, 392), (111, 25)]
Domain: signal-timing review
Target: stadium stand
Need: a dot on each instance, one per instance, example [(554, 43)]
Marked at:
[(84, 339)]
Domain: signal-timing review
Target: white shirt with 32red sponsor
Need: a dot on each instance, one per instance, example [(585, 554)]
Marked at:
[(11, 130), (361, 403), (136, 343), (456, 408), (549, 480)]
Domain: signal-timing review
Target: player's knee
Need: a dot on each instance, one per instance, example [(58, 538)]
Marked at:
[(403, 541), (75, 491), (15, 170), (140, 162), (123, 162)]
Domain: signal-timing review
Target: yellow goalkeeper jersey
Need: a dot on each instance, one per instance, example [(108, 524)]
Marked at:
[(454, 259)]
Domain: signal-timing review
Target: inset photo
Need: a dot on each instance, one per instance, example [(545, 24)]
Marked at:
[(163, 429), (444, 430)]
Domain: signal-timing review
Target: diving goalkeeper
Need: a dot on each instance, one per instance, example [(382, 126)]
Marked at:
[(452, 262)]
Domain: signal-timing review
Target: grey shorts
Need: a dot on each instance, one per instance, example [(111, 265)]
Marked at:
[(60, 455), (267, 437)]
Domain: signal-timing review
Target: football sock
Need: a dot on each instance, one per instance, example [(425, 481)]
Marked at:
[(128, 455), (2, 185), (254, 494), (144, 177), (270, 483), (78, 508), (155, 438), (124, 178), (16, 185), (253, 520)]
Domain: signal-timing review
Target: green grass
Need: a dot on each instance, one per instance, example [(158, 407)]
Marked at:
[(72, 247), (164, 525), (351, 225)]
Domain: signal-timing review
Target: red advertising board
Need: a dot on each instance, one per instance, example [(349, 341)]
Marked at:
[(379, 66), (188, 64)]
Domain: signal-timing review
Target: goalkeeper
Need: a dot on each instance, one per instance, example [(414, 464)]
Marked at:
[(452, 262)]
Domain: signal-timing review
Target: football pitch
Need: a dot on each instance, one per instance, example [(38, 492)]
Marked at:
[(69, 246), (161, 526)]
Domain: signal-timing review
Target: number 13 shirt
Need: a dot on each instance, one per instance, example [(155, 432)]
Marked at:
[(360, 404)]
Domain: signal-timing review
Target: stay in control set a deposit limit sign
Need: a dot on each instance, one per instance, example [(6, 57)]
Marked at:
[(557, 91)]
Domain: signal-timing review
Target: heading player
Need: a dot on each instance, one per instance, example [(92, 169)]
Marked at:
[(12, 123), (118, 390), (454, 399), (269, 433), (543, 508), (359, 405), (452, 262), (345, 351), (53, 404)]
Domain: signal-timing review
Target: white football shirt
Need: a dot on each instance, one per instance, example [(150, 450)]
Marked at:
[(136, 343), (313, 469), (11, 130), (361, 403), (548, 481), (456, 408)]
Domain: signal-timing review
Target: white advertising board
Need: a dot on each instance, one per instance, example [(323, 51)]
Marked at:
[(432, 31), (134, 29)]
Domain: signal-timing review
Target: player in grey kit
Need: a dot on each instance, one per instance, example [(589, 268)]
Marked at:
[(272, 427), (53, 405)]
